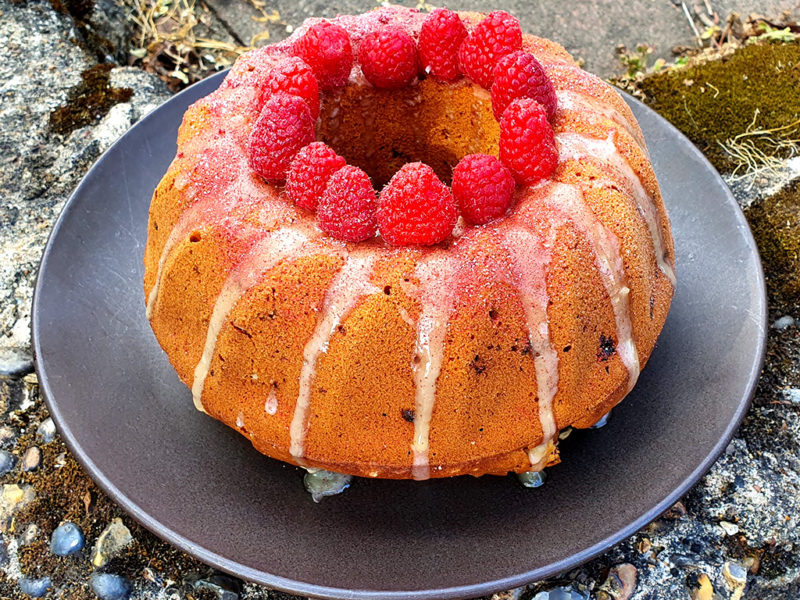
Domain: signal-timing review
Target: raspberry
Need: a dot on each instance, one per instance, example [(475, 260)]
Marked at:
[(285, 126), (519, 75), (309, 174), (527, 142), (388, 58), (483, 188), (439, 40), (415, 207), (494, 37), (296, 78), (347, 208), (326, 49)]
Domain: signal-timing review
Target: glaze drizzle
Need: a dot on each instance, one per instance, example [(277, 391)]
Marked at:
[(436, 274), (349, 285), (530, 257), (263, 256), (576, 146)]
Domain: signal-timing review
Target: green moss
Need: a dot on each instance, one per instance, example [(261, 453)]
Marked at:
[(92, 98), (89, 40), (67, 493), (776, 227), (713, 101), (79, 9)]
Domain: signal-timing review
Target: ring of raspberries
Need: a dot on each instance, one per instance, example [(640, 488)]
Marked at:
[(415, 207)]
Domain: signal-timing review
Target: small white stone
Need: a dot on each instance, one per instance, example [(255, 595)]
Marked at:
[(114, 538), (792, 395), (783, 322), (729, 528), (29, 535), (46, 431), (31, 459)]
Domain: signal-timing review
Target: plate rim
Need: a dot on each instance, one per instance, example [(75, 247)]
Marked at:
[(304, 588)]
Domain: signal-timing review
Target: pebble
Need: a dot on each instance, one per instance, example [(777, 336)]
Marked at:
[(602, 422), (12, 499), (4, 558), (792, 395), (113, 539), (514, 594), (35, 588), (736, 576), (60, 461), (67, 539), (223, 586), (107, 586), (7, 436), (703, 589), (620, 583), (15, 362), (325, 483), (729, 528), (7, 462), (783, 322), (561, 593), (31, 459), (29, 535), (532, 479), (46, 432)]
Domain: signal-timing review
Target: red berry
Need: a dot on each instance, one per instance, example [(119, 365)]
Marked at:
[(482, 187), (519, 75), (285, 126), (494, 37), (439, 40), (347, 208), (388, 58), (415, 207), (326, 49), (293, 76), (309, 173), (527, 143)]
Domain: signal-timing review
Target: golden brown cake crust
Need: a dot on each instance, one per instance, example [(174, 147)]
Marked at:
[(218, 232)]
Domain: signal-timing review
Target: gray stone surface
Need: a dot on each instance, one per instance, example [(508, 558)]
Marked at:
[(39, 63), (590, 30), (736, 532)]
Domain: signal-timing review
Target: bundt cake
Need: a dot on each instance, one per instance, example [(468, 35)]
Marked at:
[(409, 245)]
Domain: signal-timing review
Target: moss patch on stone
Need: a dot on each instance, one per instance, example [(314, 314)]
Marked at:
[(775, 222), (64, 492), (88, 101), (712, 101)]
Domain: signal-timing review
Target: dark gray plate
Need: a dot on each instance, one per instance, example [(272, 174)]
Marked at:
[(194, 482)]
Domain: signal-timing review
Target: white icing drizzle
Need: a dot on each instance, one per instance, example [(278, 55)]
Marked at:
[(262, 257), (208, 209), (568, 199), (350, 284), (271, 405), (435, 273), (575, 100), (576, 146), (530, 257), (185, 225)]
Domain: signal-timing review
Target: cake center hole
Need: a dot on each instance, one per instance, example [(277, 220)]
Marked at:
[(435, 123)]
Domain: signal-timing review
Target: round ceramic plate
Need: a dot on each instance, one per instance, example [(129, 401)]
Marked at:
[(131, 422)]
